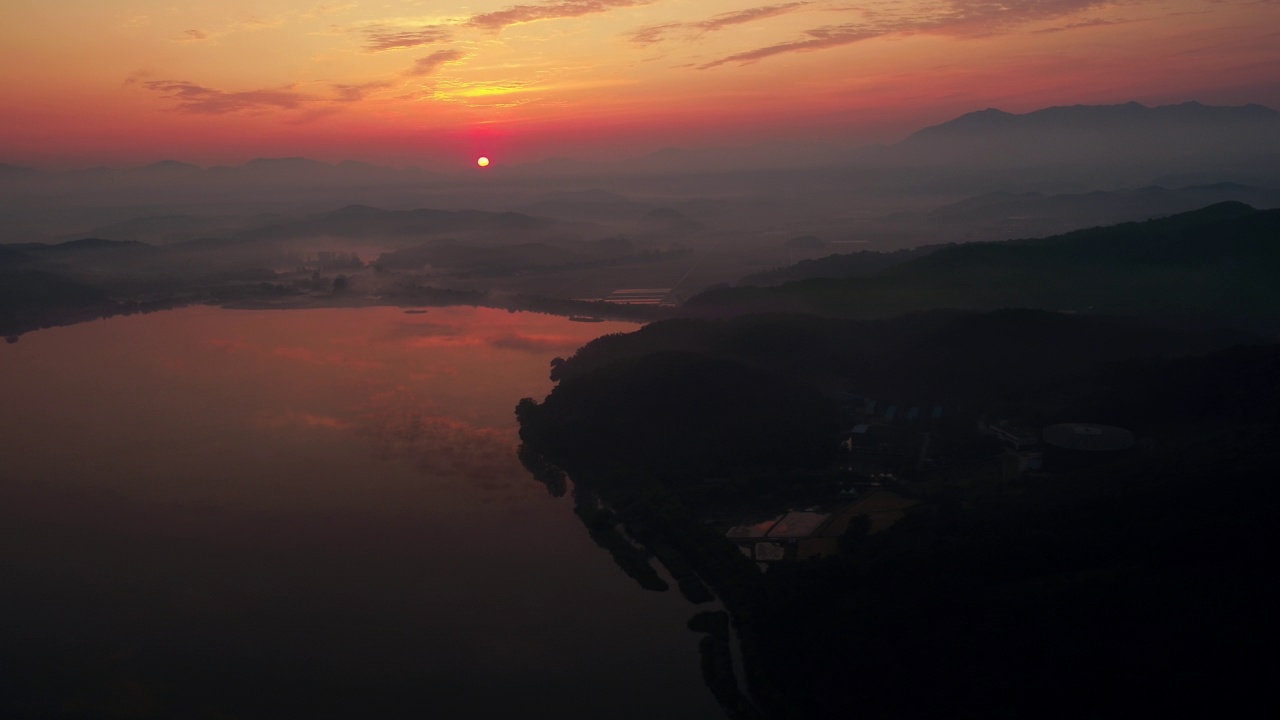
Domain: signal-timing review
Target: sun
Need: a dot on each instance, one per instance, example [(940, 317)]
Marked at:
[(482, 161)]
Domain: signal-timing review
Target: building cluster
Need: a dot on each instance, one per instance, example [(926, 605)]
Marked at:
[(813, 532), (895, 451)]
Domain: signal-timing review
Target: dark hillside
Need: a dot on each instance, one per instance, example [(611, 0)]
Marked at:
[(1216, 263), (1007, 361), (362, 220), (1141, 584), (859, 264), (680, 414)]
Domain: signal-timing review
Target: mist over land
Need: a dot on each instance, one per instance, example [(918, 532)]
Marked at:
[(683, 221), (842, 421)]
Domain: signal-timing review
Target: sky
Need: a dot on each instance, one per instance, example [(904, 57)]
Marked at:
[(127, 82)]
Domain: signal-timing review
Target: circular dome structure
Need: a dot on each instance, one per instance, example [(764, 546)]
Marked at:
[(1087, 437)]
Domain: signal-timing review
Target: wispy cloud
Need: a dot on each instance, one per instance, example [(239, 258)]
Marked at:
[(657, 33), (262, 23), (961, 18), (197, 99), (651, 34), (1093, 22), (137, 76), (429, 64), (356, 93), (724, 20), (380, 38), (517, 14), (818, 39), (482, 94), (194, 36)]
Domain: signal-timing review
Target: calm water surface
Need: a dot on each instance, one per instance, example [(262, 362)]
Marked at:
[(274, 514)]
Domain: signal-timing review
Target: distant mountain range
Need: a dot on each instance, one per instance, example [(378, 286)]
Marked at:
[(1162, 139), (1071, 134), (1037, 169), (349, 222), (1107, 134), (993, 123), (1005, 215), (356, 221), (1095, 147), (291, 169), (271, 241)]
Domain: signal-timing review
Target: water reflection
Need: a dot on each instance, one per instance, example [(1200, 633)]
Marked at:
[(257, 514)]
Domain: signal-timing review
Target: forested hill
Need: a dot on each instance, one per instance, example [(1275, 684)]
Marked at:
[(858, 264), (1094, 586), (1215, 263), (947, 353)]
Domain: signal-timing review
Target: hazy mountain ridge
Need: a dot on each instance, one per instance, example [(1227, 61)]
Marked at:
[(354, 221), (908, 356), (277, 235), (1219, 261), (859, 264), (977, 131), (826, 188), (1099, 207), (451, 254), (1074, 117), (1128, 128), (1099, 147), (8, 171)]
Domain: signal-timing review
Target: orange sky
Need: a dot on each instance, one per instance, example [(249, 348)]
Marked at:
[(133, 81)]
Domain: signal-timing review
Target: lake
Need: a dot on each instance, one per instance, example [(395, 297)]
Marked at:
[(309, 513)]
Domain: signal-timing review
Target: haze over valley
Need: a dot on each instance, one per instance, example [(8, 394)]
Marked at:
[(638, 359), (280, 231)]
